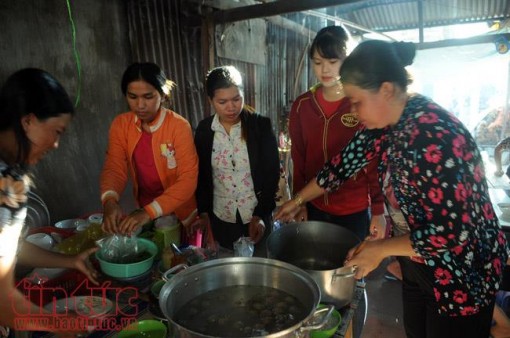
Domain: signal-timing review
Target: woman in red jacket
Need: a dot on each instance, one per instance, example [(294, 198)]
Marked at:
[(154, 146), (320, 125)]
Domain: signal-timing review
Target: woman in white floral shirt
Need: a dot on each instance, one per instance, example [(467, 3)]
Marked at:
[(239, 165), (34, 111)]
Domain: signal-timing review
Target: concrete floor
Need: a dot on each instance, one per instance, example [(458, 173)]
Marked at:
[(384, 306)]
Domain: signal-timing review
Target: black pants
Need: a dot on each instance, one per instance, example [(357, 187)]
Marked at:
[(227, 233), (359, 222), (421, 318)]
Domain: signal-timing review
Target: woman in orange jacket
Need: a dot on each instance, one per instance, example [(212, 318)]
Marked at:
[(154, 145)]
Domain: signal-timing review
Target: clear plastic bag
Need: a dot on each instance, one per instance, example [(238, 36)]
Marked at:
[(244, 247), (120, 249)]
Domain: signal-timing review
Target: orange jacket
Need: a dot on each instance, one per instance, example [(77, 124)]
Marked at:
[(168, 129)]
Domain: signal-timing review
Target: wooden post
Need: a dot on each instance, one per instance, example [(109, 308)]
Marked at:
[(208, 54)]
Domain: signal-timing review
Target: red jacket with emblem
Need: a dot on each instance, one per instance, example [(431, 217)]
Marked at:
[(315, 139)]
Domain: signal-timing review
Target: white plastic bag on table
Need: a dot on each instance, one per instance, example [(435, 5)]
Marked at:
[(244, 247), (119, 249)]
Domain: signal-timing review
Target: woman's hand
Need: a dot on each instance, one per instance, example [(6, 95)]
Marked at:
[(377, 227), (204, 222), (302, 215), (200, 223), (256, 229), (112, 214), (81, 263), (288, 211), (133, 221), (365, 258)]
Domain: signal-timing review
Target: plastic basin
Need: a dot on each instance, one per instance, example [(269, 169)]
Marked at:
[(129, 269)]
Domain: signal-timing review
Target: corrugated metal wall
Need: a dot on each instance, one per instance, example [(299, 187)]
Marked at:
[(159, 32), (270, 88)]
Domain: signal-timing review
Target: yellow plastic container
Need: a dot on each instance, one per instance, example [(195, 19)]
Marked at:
[(167, 230)]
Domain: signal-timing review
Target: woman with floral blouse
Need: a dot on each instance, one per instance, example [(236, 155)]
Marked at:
[(438, 180), (239, 166)]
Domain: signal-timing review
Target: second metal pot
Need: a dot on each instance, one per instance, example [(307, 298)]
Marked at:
[(320, 249)]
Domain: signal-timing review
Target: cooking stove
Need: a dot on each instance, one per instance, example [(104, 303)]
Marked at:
[(354, 314)]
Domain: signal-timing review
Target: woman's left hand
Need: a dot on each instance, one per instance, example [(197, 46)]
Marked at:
[(367, 259), (256, 229), (133, 221), (288, 211)]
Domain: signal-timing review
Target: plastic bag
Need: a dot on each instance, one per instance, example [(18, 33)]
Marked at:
[(120, 249), (244, 247)]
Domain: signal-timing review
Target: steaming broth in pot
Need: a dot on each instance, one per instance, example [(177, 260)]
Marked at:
[(241, 311)]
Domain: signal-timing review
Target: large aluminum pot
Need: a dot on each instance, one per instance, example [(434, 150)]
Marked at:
[(211, 275), (319, 248)]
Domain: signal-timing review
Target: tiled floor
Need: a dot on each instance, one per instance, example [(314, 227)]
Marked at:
[(384, 307)]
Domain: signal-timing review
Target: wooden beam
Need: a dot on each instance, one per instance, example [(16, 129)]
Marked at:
[(273, 8), (489, 38), (277, 20), (347, 23)]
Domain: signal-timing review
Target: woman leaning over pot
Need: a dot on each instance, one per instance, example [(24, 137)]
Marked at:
[(239, 163), (438, 179), (154, 146), (35, 111)]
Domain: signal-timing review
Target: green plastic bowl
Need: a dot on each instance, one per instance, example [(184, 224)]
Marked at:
[(329, 329), (130, 269), (156, 288), (145, 328)]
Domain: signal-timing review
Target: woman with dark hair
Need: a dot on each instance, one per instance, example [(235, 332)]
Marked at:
[(320, 125), (239, 163), (454, 251), (35, 111), (154, 146)]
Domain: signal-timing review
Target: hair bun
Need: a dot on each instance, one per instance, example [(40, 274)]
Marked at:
[(406, 51)]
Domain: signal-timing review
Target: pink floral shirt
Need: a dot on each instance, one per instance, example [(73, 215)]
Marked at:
[(233, 184), (439, 183)]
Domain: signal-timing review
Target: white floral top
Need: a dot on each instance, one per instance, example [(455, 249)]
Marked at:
[(233, 184), (14, 184)]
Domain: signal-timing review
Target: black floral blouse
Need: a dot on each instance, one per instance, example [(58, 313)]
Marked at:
[(439, 182)]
